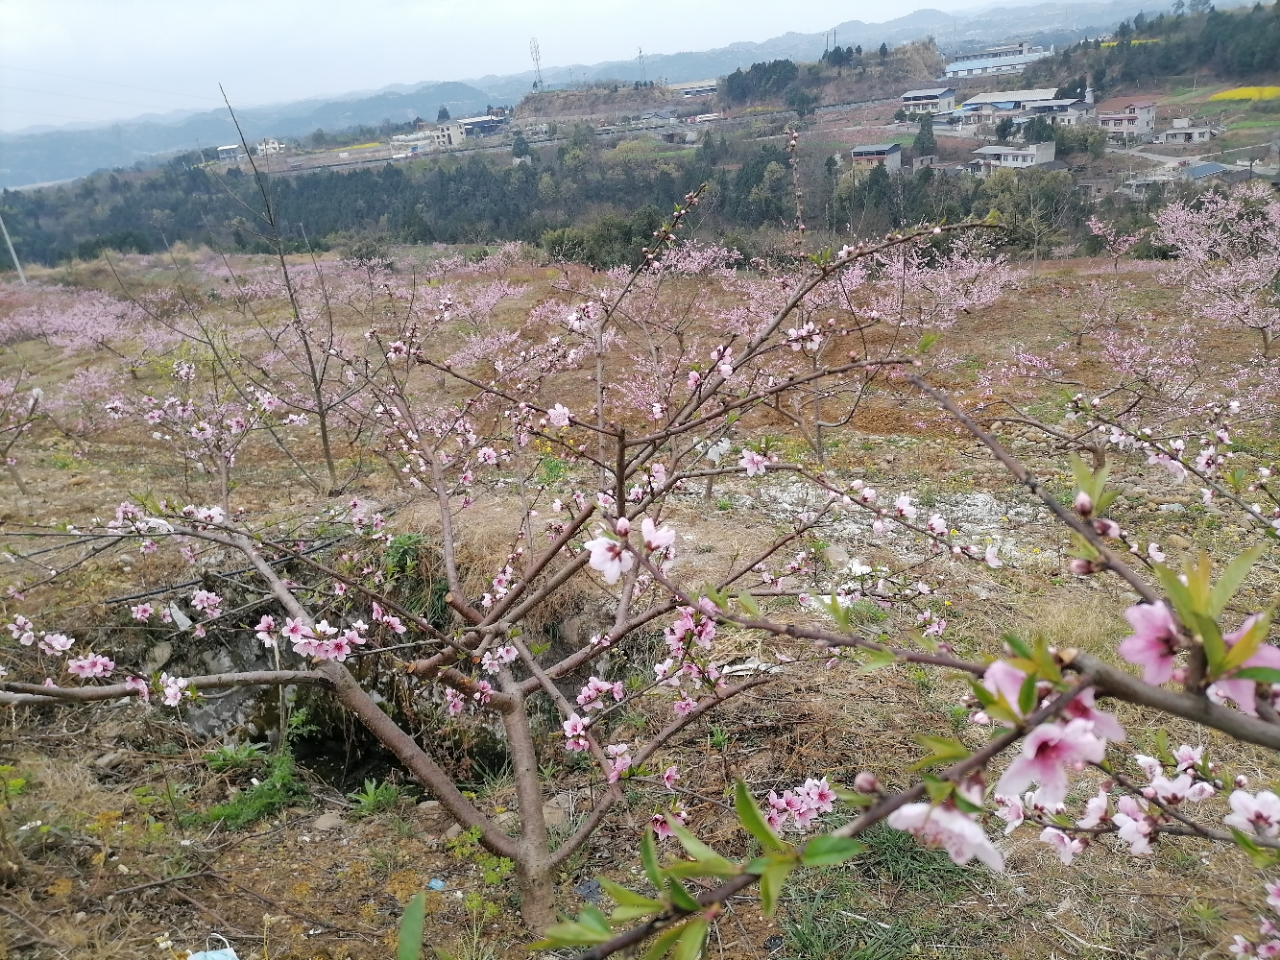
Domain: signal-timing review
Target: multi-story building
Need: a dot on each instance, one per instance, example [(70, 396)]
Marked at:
[(995, 156), (1127, 119), (990, 107), (887, 155), (935, 100)]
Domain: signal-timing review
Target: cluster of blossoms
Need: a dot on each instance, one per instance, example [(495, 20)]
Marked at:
[(694, 631), (609, 554), (1135, 818), (494, 660), (661, 822), (591, 697), (174, 689), (321, 642), (1155, 642), (801, 806), (58, 644)]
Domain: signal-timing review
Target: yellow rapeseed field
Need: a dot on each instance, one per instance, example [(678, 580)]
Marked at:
[(1248, 93)]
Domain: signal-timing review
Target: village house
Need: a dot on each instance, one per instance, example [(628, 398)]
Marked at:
[(990, 107), (1183, 132), (268, 147), (1068, 113), (233, 153), (996, 156), (887, 155), (935, 100), (1126, 119)]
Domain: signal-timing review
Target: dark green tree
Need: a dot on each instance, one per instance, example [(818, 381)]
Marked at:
[(1037, 130), (443, 114), (925, 143), (801, 101), (884, 51)]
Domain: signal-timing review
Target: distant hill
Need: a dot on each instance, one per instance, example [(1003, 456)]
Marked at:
[(953, 32), (64, 154), (68, 153)]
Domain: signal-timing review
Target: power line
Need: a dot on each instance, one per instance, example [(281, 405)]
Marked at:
[(60, 116), (81, 96), (112, 83)]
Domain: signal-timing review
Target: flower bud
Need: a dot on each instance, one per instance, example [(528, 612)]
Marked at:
[(1081, 567), (1241, 782), (1083, 504), (1107, 528), (623, 527), (866, 782)]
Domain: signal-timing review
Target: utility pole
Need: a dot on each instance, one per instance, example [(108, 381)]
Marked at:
[(644, 78), (12, 253)]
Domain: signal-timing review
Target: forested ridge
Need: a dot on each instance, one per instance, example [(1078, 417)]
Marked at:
[(1232, 45), (584, 200)]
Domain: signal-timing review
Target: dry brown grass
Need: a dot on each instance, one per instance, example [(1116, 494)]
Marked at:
[(353, 883)]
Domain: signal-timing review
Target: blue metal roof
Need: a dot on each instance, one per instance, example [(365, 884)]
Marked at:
[(1201, 170), (1021, 60)]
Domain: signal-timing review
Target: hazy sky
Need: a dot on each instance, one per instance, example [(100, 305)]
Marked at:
[(63, 61)]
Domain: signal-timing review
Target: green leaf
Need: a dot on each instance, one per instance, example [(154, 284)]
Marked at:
[(1215, 648), (1083, 475), (689, 946), (569, 934), (629, 898), (1259, 856), (752, 819), (927, 342), (649, 857), (1016, 644), (1232, 577), (941, 750), (664, 942), (718, 597), (982, 694), (593, 919), (1258, 674), (1248, 644), (1027, 695), (771, 881), (1163, 751), (409, 942), (824, 851), (710, 862), (876, 660), (680, 897), (1183, 605), (938, 790), (748, 603)]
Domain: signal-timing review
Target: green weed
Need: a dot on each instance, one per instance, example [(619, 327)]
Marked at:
[(279, 788), (236, 756), (374, 798)]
